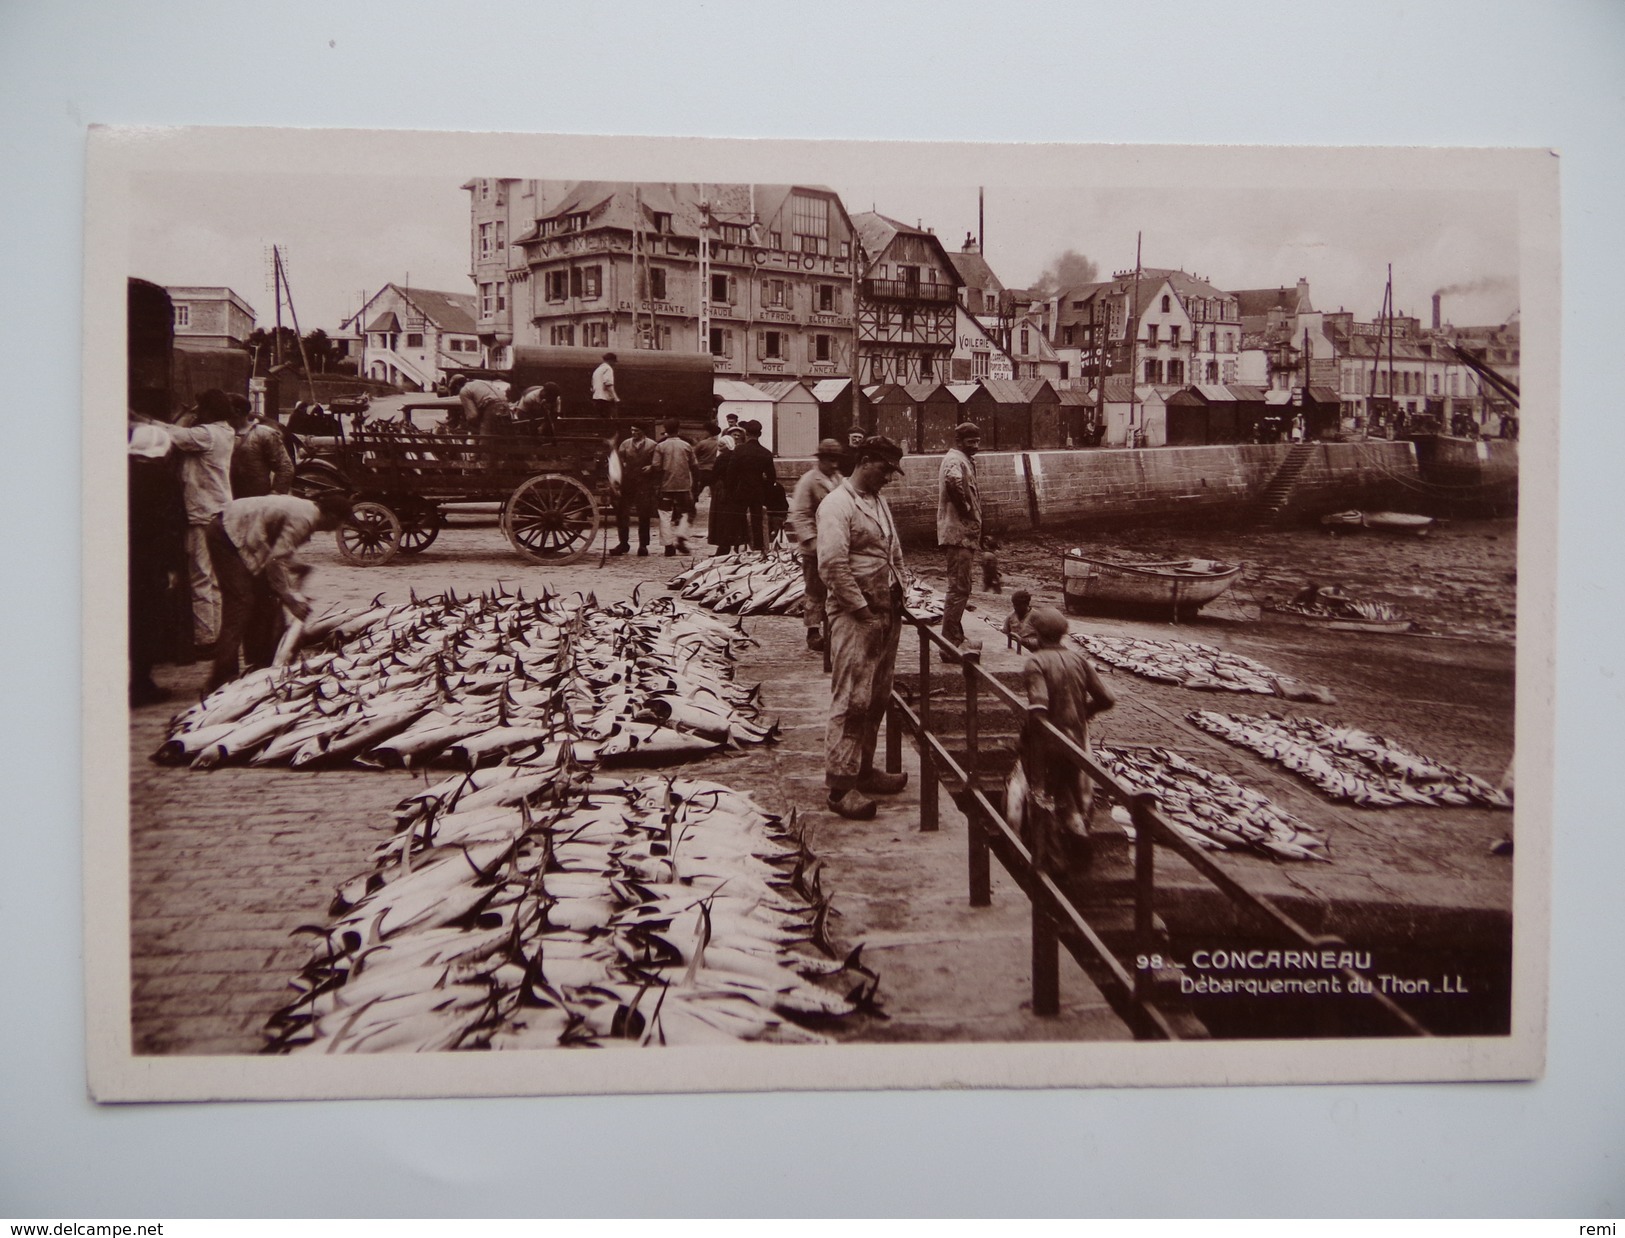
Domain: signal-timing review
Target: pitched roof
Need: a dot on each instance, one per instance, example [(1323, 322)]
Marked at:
[(1214, 393), (976, 273), (876, 231), (450, 311), (1004, 390), (918, 392), (734, 389), (828, 389), (1256, 304), (1244, 392), (1076, 397), (778, 390), (1032, 388), (962, 391), (889, 393)]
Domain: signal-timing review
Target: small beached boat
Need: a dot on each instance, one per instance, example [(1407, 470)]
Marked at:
[(1402, 523), (1320, 617), (1180, 587)]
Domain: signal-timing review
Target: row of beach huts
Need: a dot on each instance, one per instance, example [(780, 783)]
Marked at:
[(1025, 414)]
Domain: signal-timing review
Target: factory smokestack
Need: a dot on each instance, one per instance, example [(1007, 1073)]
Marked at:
[(1436, 297)]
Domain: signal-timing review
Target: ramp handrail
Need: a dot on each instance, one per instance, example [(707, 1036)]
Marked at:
[(1056, 921)]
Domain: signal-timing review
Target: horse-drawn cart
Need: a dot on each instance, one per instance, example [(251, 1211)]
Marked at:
[(551, 488)]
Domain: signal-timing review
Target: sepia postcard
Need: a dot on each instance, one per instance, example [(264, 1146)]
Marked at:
[(609, 614)]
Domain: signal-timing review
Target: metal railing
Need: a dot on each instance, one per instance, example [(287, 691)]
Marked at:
[(907, 290), (1056, 921)]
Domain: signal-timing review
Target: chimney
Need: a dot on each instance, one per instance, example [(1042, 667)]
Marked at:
[(1435, 311)]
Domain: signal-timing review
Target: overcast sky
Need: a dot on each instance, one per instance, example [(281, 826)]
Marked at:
[(345, 235)]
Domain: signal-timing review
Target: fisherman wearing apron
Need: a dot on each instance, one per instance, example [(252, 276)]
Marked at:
[(861, 563)]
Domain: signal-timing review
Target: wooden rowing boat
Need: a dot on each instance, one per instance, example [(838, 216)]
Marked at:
[(1181, 586), (1403, 524), (1331, 622)]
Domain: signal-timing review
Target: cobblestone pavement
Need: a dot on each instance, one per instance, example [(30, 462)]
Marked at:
[(224, 865)]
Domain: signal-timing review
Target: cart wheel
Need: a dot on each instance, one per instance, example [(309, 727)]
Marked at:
[(371, 536), (551, 519), (421, 523)]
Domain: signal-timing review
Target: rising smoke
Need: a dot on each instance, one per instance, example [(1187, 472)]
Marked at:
[(1488, 283)]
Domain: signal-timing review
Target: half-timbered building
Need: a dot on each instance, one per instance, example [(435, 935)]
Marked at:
[(907, 303)]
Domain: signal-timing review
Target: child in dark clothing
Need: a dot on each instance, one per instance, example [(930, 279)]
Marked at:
[(1062, 687), (1018, 631)]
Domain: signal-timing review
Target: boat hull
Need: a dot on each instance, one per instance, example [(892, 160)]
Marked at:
[(1104, 585), (1333, 623)]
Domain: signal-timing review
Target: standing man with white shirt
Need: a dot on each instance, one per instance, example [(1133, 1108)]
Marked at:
[(861, 561), (206, 445), (959, 524), (606, 401)]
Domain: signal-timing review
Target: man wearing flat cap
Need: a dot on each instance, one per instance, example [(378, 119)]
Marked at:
[(959, 524), (812, 488), (861, 562)]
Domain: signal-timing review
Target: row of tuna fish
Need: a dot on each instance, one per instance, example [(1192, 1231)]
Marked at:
[(1212, 810), (1202, 668), (748, 582), (1351, 764), (519, 907), (475, 680), (1186, 663)]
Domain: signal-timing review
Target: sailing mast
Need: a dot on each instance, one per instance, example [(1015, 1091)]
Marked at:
[(1131, 322), (285, 290)]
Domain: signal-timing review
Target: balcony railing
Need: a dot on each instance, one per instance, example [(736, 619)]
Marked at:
[(905, 290)]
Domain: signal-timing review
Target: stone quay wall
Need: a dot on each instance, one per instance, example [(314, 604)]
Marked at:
[(1024, 491)]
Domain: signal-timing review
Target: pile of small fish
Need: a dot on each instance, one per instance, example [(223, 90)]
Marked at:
[(1350, 764), (1212, 810), (476, 680), (526, 908), (748, 582), (1185, 663)]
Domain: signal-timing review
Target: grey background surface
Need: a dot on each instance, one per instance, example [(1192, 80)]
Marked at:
[(1546, 74)]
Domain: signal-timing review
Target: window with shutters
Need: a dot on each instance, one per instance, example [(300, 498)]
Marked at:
[(1212, 371), (828, 302), (1153, 371), (720, 290), (822, 347), (1150, 333), (773, 344), (773, 293), (1176, 371), (562, 333), (595, 334), (558, 285), (717, 342)]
